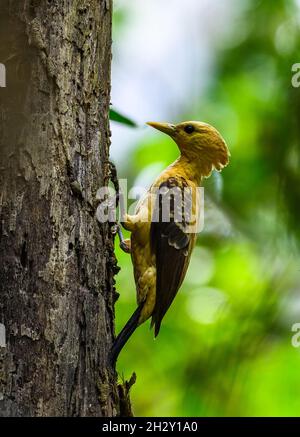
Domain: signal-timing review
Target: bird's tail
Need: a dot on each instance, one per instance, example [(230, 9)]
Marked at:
[(124, 335)]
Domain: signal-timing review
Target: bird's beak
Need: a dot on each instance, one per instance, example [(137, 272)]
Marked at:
[(167, 128)]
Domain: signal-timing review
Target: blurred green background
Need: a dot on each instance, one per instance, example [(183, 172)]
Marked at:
[(225, 344)]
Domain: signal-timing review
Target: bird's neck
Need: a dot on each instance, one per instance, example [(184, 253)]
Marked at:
[(190, 169)]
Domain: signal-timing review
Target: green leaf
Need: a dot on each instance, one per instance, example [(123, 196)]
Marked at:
[(120, 118)]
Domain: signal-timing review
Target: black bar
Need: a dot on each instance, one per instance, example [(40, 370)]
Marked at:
[(141, 425)]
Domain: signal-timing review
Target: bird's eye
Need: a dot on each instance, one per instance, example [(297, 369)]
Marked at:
[(189, 129)]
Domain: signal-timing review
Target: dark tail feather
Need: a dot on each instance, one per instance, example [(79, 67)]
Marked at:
[(156, 324), (124, 335)]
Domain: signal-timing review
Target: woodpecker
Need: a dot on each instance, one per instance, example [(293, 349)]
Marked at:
[(161, 248)]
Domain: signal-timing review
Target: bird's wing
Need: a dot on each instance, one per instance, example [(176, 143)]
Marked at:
[(170, 243)]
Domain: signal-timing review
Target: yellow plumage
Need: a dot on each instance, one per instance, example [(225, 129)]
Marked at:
[(161, 251)]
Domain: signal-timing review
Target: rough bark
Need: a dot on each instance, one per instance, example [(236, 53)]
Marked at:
[(56, 260)]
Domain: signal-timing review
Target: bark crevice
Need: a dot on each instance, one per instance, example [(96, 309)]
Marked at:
[(57, 262)]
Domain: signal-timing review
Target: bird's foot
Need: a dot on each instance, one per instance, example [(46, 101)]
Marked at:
[(125, 245)]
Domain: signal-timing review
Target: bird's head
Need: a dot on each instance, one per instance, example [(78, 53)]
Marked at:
[(198, 142)]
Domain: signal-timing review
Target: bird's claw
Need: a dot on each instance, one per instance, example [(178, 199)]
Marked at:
[(114, 229)]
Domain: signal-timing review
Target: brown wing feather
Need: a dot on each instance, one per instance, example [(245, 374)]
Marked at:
[(172, 247)]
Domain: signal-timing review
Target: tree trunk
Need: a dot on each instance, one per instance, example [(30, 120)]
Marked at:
[(57, 262)]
